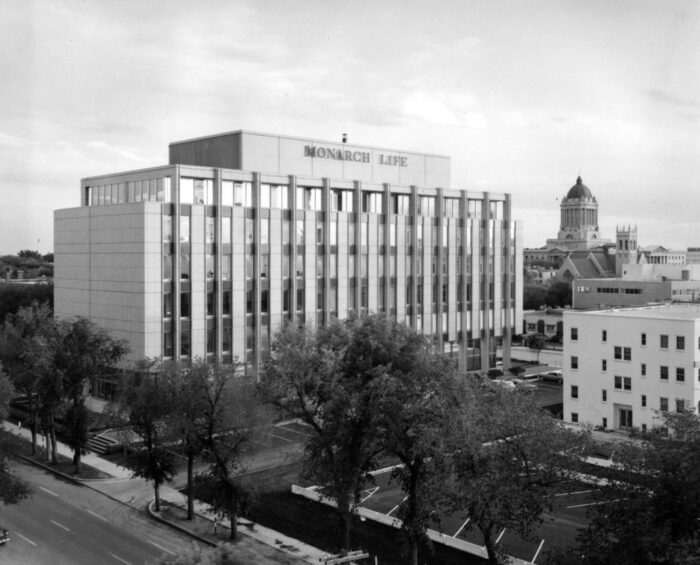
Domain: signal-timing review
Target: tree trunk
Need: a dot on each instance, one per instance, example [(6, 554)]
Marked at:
[(490, 547), (156, 490), (54, 443), (190, 481), (234, 527), (414, 552), (76, 461), (33, 426), (346, 523)]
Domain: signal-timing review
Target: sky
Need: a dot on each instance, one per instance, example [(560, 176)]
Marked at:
[(524, 96)]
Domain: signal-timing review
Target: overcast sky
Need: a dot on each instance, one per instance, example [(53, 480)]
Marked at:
[(523, 96)]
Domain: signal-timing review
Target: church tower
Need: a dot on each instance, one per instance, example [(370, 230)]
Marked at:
[(626, 247), (579, 220)]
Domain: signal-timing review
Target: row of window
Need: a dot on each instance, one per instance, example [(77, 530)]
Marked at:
[(241, 193), (624, 383), (300, 228), (663, 369), (663, 339)]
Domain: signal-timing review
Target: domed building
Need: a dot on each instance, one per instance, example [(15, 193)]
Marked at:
[(579, 221)]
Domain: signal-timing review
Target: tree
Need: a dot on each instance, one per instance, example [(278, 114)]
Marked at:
[(29, 254), (537, 342), (229, 418), (323, 377), (651, 512), (507, 455), (558, 294), (15, 296), (189, 383), (147, 401), (83, 354), (534, 296), (12, 490), (26, 348), (416, 399)]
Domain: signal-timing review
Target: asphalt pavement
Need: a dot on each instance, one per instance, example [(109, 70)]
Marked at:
[(138, 494)]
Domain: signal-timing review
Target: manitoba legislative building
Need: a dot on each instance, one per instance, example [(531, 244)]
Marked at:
[(208, 256)]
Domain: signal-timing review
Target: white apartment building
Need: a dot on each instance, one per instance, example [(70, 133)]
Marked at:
[(622, 367), (207, 256)]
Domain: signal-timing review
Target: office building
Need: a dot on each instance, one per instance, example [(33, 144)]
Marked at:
[(207, 256), (622, 367)]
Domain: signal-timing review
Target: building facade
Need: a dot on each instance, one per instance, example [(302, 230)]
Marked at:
[(579, 220), (621, 368), (209, 255)]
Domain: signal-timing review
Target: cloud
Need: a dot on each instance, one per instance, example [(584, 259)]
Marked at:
[(443, 108), (8, 140)]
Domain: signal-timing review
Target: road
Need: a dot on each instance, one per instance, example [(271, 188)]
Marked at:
[(62, 523)]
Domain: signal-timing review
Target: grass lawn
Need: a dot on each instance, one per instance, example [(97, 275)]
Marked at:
[(65, 464), (246, 549)]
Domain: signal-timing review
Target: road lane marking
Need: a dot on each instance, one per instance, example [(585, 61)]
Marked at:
[(371, 492), (119, 558), (59, 525), (594, 503), (461, 528), (575, 492), (161, 547), (396, 507), (97, 515), (50, 492), (25, 539), (499, 537), (537, 552)]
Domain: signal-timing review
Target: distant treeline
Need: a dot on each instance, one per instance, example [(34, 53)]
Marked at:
[(14, 296)]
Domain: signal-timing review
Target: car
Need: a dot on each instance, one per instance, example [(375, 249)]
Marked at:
[(4, 537), (507, 384)]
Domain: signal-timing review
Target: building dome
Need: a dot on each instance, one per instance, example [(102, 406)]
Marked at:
[(579, 190)]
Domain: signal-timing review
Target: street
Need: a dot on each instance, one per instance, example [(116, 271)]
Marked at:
[(62, 523)]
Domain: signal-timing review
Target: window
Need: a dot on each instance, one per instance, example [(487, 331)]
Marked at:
[(663, 342), (574, 334), (623, 383), (604, 364), (605, 395), (644, 401), (680, 374), (663, 404), (574, 417), (627, 353), (644, 369), (574, 362), (680, 342), (618, 352), (574, 391), (226, 302), (663, 374), (210, 303), (644, 339), (680, 405), (605, 422), (184, 304), (167, 305), (605, 335)]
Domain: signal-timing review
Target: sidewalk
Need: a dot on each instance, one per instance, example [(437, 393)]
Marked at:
[(138, 493)]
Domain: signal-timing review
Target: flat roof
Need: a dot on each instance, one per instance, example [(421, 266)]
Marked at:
[(658, 312), (306, 139)]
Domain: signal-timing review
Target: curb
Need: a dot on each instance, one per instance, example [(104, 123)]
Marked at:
[(182, 529)]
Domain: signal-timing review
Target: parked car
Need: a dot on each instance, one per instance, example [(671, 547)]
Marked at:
[(4, 537)]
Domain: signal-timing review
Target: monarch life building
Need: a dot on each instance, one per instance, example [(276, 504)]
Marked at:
[(209, 255)]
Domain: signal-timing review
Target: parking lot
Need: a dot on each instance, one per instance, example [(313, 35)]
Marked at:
[(559, 528)]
